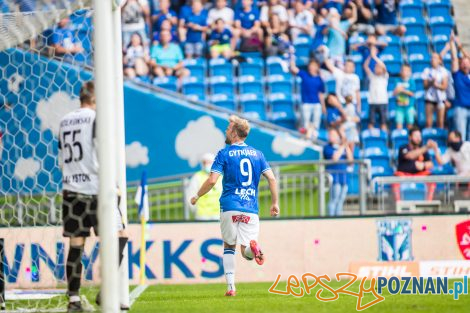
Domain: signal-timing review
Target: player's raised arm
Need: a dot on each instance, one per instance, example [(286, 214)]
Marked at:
[(206, 186), (274, 194)]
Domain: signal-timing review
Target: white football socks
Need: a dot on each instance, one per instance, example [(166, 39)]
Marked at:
[(229, 268)]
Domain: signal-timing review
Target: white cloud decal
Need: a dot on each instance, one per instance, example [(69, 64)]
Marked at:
[(286, 145), (136, 154), (14, 82), (25, 168), (199, 137), (50, 111)]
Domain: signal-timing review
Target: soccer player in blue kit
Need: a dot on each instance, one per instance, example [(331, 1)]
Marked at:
[(241, 167)]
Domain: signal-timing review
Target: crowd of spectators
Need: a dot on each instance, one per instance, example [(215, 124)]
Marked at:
[(158, 35)]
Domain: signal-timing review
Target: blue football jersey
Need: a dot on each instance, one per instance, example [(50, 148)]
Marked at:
[(241, 167)]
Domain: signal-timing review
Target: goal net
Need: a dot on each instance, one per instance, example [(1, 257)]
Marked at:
[(46, 54)]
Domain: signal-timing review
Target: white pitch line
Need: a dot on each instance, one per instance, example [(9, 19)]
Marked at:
[(135, 294)]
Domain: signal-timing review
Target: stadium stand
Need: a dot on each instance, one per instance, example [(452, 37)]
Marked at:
[(262, 86)]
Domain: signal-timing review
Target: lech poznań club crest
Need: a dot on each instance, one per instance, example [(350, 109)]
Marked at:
[(462, 230), (394, 236)]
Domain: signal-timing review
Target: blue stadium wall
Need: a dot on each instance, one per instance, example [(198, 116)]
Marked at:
[(165, 135)]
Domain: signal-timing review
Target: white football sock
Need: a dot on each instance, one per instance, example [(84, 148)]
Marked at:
[(248, 253), (229, 268)]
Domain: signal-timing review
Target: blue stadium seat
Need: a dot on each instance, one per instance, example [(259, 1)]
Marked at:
[(393, 63), (330, 85), (420, 107), (416, 30), (253, 106), (374, 138), (440, 26), (221, 67), (196, 67), (252, 67), (194, 89), (390, 39), (378, 156), (411, 9), (436, 134), (380, 171), (282, 112), (418, 66), (416, 48), (223, 101), (249, 84), (399, 137), (222, 85), (364, 106), (439, 9), (281, 87), (413, 191), (276, 66), (302, 46), (353, 180), (168, 83)]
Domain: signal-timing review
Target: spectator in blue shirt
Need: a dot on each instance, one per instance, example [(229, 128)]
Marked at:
[(164, 14), (248, 25), (337, 149), (63, 41), (335, 114), (194, 30), (220, 41), (312, 91), (167, 58), (461, 75)]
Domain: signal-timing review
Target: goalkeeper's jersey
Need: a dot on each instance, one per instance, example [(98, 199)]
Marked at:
[(241, 167), (77, 152)]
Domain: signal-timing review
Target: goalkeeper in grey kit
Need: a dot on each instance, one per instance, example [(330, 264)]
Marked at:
[(79, 162)]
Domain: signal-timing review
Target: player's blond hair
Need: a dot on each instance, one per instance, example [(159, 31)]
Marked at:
[(240, 126)]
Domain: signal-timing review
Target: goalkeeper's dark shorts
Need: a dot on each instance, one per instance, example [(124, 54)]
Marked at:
[(79, 214)]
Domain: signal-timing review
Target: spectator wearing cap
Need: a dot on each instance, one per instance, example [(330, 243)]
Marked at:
[(208, 207), (167, 58), (220, 11), (194, 30), (461, 76), (414, 160), (220, 40), (300, 20)]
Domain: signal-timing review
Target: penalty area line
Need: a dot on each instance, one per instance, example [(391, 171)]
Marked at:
[(135, 294)]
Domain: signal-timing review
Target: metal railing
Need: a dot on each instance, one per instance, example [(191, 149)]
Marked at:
[(413, 192), (303, 191)]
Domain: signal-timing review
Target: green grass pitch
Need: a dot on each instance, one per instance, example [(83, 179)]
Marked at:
[(254, 297)]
